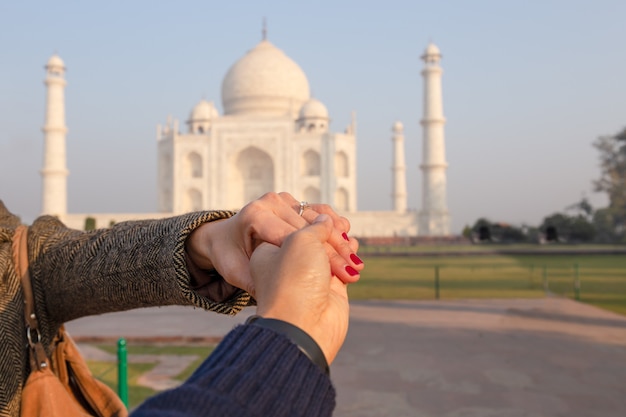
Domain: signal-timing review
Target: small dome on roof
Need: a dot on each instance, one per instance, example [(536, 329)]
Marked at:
[(204, 110), (398, 127), (313, 109), (431, 51), (55, 62)]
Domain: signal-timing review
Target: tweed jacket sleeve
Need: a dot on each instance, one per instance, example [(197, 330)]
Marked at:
[(132, 264)]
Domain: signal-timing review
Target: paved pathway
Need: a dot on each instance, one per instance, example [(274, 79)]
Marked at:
[(466, 358)]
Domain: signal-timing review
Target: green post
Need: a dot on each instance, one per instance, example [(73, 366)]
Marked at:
[(546, 285), (437, 282), (576, 282), (122, 371)]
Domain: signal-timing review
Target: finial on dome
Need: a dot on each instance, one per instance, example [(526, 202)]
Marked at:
[(264, 31)]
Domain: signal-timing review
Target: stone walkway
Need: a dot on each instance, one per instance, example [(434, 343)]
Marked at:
[(463, 358)]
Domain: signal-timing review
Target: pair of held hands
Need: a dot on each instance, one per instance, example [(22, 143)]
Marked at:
[(299, 277)]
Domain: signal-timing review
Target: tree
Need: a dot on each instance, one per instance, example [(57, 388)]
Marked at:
[(613, 182), (561, 227), (508, 233), (482, 229), (90, 223), (531, 233), (604, 221), (583, 207), (581, 229), (467, 232), (485, 230)]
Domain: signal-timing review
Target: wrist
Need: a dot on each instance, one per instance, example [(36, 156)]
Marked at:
[(299, 337), (199, 244)]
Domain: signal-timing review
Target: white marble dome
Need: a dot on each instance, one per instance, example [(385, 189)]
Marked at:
[(55, 62), (431, 50), (313, 109), (204, 110), (265, 81)]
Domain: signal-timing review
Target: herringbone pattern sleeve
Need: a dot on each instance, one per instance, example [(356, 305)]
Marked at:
[(132, 264)]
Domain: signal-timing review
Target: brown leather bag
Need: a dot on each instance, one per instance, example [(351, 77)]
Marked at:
[(60, 386)]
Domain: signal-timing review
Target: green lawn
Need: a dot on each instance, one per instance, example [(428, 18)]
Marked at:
[(486, 247), (602, 277), (107, 373)]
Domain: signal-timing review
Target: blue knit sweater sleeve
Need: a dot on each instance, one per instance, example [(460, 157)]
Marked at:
[(253, 372)]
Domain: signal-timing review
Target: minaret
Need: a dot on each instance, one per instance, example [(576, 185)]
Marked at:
[(399, 169), (54, 172), (434, 219)]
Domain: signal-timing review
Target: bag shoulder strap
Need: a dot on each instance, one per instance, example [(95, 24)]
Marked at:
[(19, 247), (20, 260)]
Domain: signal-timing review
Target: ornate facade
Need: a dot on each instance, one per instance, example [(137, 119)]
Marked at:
[(272, 136)]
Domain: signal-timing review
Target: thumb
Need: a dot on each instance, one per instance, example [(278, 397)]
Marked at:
[(315, 233), (321, 228)]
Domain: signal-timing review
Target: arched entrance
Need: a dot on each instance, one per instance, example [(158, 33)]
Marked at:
[(252, 176)]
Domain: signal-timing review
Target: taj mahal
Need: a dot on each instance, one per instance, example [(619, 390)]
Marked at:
[(271, 135)]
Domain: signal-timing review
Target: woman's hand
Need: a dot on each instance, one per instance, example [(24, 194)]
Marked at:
[(227, 245)]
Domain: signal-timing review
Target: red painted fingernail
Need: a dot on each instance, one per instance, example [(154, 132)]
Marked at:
[(356, 259), (351, 271), (345, 237)]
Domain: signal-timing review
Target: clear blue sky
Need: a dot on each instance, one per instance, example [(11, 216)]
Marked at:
[(528, 86)]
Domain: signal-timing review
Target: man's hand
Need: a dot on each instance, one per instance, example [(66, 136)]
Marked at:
[(294, 283)]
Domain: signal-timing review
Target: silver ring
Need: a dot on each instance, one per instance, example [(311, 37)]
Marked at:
[(303, 206)]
